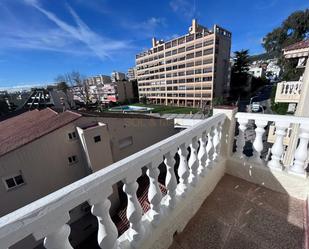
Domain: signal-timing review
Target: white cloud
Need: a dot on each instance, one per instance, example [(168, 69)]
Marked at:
[(184, 8), (102, 47), (146, 28)]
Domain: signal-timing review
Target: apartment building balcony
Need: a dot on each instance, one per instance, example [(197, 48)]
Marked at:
[(221, 192), (288, 91)]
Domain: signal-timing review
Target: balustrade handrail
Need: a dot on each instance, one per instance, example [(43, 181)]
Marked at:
[(273, 118), (28, 219)]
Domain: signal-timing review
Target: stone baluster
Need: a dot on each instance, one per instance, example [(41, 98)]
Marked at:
[(278, 148), (240, 142), (107, 231), (183, 171), (210, 148), (301, 153), (154, 192), (170, 180), (193, 162), (134, 212), (202, 154), (258, 141), (56, 233), (217, 141)]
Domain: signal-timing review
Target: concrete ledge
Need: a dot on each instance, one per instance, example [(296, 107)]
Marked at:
[(280, 181), (174, 221)]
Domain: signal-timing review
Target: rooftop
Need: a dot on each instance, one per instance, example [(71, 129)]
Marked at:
[(298, 45), (28, 126)]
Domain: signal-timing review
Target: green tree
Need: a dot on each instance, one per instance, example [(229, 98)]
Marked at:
[(239, 74), (294, 29)]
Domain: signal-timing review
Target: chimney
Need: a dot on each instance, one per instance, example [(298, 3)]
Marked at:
[(154, 42), (194, 25)]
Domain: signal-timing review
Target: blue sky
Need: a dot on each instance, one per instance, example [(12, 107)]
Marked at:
[(43, 38)]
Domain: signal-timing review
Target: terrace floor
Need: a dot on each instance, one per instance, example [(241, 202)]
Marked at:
[(242, 215)]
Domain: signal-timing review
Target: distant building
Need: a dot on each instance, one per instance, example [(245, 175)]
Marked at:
[(43, 151), (41, 98), (131, 74), (104, 89), (273, 70), (118, 76), (97, 80), (257, 71), (187, 71), (300, 51)]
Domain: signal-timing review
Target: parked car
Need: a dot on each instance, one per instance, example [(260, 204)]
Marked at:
[(255, 106)]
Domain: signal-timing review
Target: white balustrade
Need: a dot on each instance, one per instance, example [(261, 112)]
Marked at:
[(107, 231), (202, 154), (258, 141), (301, 153), (170, 180), (47, 218), (59, 239), (134, 213), (277, 149), (183, 169), (288, 91), (210, 148), (193, 162), (216, 142), (240, 142), (154, 192), (56, 233)]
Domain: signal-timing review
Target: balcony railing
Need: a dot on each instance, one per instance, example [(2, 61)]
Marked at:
[(281, 124), (288, 91), (96, 188), (201, 152)]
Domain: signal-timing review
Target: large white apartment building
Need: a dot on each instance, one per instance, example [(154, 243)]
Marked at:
[(187, 71)]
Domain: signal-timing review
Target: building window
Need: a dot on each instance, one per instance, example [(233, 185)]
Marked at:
[(125, 142), (13, 181), (97, 139), (72, 159), (72, 135)]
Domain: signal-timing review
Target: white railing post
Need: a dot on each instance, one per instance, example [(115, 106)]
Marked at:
[(240, 142), (183, 170), (210, 148), (193, 162), (134, 212), (107, 231), (170, 180), (202, 154), (278, 148), (258, 141), (217, 141), (56, 233), (154, 192), (301, 153)]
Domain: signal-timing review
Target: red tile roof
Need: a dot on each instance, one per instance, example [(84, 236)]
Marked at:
[(298, 45), (24, 128)]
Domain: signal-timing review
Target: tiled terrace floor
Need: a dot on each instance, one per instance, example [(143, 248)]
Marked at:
[(242, 215)]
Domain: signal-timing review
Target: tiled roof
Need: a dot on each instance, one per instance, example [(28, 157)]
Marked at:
[(298, 45), (26, 127)]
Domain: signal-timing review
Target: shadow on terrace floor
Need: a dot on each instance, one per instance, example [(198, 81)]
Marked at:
[(242, 215)]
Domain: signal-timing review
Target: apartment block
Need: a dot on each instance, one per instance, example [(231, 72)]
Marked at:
[(187, 71), (106, 89), (131, 74)]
